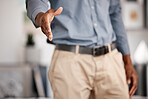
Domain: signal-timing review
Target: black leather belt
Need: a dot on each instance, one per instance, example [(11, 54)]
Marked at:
[(96, 51)]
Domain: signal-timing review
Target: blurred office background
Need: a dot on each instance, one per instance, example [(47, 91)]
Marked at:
[(25, 55)]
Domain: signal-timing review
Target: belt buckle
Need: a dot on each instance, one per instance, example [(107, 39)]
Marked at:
[(95, 50)]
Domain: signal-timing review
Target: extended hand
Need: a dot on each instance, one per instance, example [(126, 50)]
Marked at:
[(44, 20)]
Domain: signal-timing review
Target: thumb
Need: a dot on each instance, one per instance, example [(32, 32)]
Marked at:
[(58, 11), (128, 81), (128, 78)]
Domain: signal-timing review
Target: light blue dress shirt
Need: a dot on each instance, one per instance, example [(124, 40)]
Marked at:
[(84, 22)]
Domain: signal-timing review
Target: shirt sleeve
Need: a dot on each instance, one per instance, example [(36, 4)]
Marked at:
[(36, 6), (118, 27)]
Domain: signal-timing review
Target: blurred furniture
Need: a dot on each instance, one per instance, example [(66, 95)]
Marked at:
[(18, 80), (15, 81), (142, 79)]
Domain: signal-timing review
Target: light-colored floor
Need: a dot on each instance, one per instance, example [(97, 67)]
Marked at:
[(139, 97)]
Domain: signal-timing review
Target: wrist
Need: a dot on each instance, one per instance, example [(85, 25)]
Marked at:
[(127, 60), (39, 18)]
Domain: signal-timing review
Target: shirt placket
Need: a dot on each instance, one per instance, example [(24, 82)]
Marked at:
[(95, 21)]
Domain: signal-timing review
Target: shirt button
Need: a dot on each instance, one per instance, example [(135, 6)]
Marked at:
[(92, 7), (95, 24)]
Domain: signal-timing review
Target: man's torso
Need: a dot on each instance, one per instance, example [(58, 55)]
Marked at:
[(82, 22)]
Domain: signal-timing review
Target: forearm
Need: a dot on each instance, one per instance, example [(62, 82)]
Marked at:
[(127, 59), (121, 37), (118, 27)]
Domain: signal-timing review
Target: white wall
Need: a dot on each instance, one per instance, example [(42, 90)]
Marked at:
[(10, 30), (134, 38), (13, 33)]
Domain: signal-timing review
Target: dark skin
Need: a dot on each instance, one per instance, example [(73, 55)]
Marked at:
[(131, 74), (44, 20)]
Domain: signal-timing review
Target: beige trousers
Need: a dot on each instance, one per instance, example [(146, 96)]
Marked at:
[(83, 76)]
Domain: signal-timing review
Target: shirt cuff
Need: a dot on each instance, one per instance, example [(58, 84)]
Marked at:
[(124, 49)]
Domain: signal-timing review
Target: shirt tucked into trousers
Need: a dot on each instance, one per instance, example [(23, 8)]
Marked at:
[(86, 23)]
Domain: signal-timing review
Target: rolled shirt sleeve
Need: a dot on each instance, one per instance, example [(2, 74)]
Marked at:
[(36, 6), (118, 27)]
